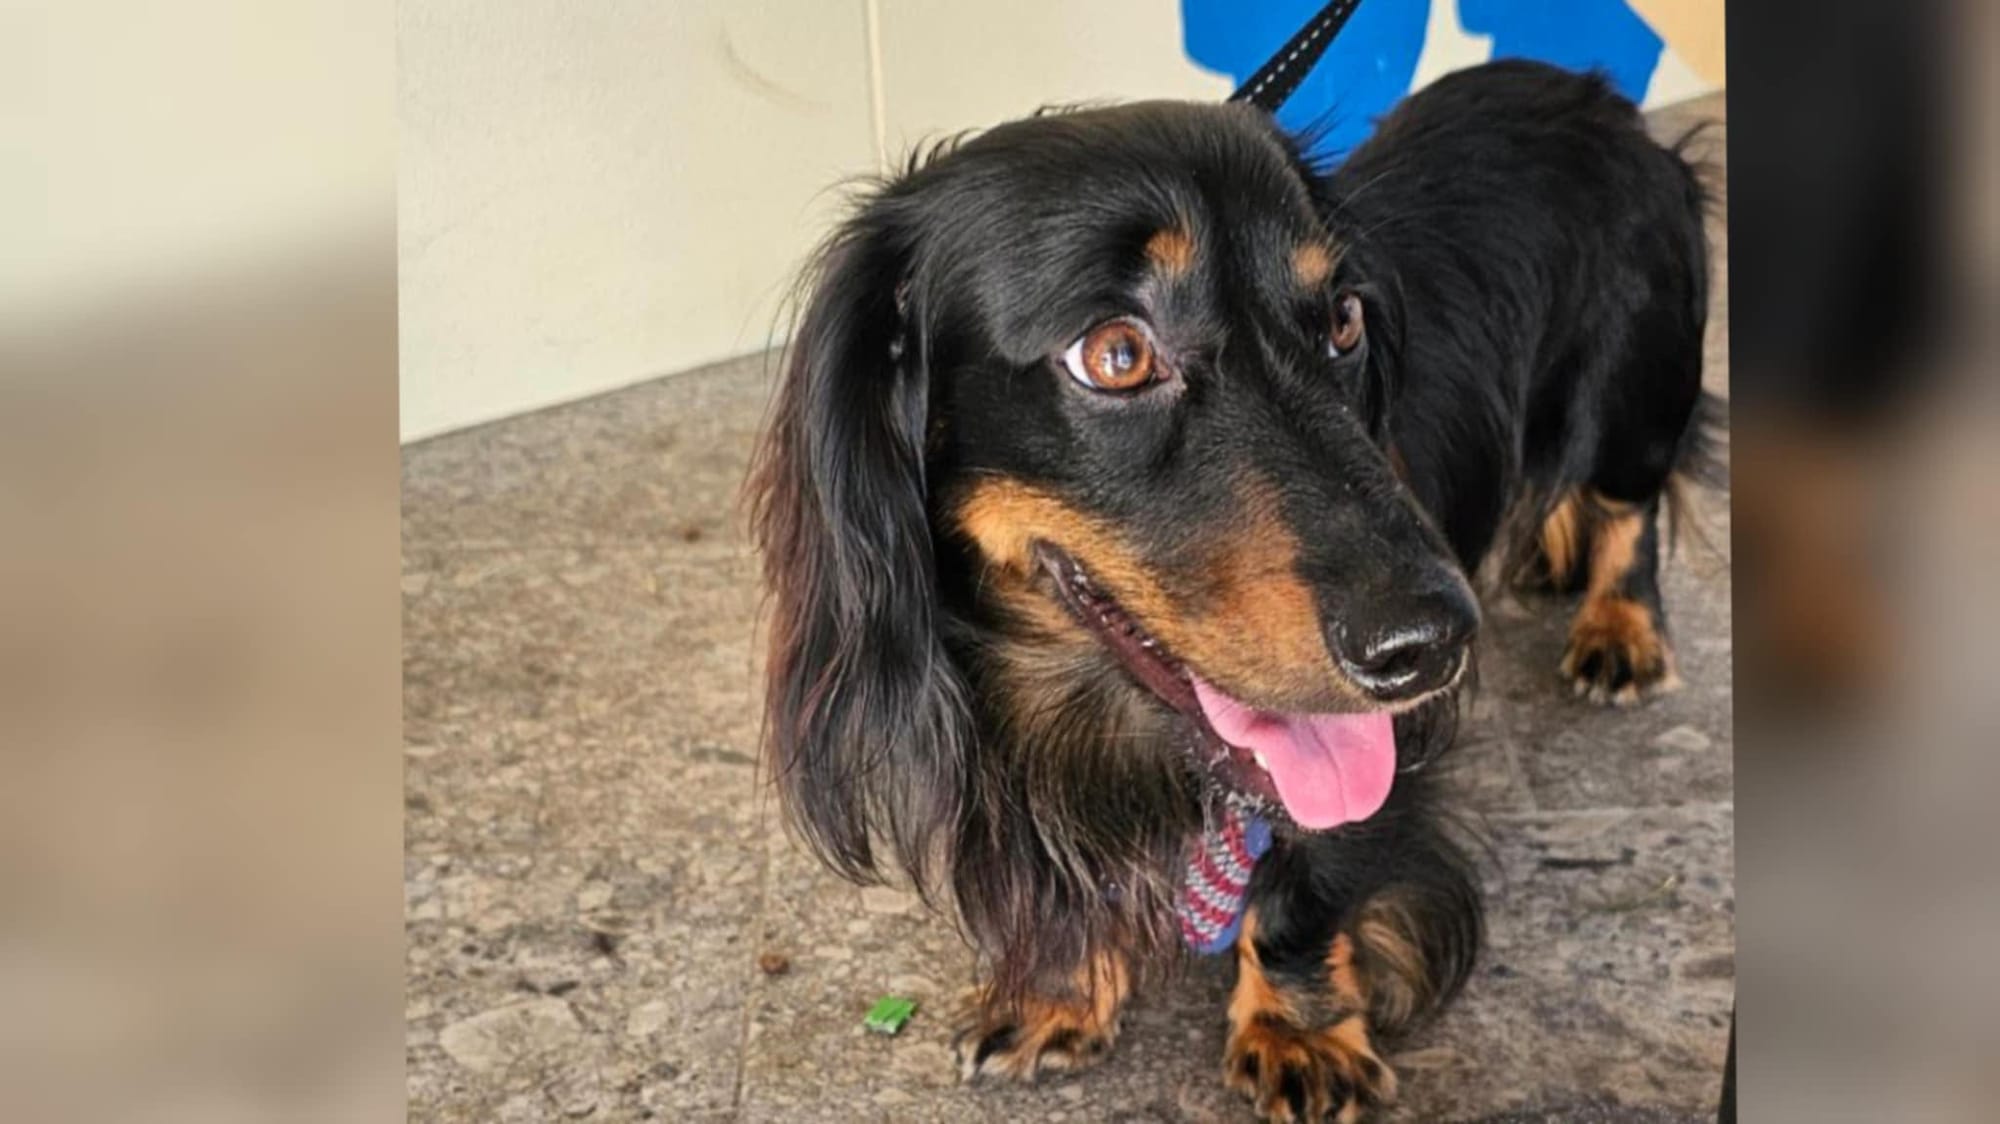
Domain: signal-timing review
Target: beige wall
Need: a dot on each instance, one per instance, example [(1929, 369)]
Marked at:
[(595, 192), (1693, 28), (134, 169)]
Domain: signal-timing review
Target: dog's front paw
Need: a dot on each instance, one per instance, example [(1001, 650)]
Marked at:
[(1043, 1034), (1617, 653), (1296, 1075)]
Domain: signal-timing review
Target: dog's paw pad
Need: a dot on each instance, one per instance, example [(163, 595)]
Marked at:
[(1297, 1076), (1617, 654), (1047, 1036)]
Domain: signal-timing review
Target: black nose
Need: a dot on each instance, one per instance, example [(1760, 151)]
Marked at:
[(1401, 646)]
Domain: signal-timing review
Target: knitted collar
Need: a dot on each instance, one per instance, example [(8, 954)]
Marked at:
[(1210, 906)]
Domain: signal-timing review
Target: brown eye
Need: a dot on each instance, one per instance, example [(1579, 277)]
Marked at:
[(1116, 355), (1347, 325)]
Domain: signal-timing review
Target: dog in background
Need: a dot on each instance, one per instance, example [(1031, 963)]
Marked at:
[(1125, 475)]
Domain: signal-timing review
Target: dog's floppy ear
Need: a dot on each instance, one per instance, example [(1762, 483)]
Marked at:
[(866, 718)]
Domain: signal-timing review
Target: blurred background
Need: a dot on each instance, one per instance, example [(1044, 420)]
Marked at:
[(200, 750), (199, 701)]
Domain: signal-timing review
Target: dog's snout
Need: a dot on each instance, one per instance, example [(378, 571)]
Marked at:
[(1399, 648)]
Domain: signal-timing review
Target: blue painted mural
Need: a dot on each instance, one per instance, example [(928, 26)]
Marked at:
[(1372, 63)]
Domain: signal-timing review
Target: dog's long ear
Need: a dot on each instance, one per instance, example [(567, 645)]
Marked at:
[(866, 722)]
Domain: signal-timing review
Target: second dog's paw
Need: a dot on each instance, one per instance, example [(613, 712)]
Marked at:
[(1297, 1076), (1044, 1034), (1617, 654)]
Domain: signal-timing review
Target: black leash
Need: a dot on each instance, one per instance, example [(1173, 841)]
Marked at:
[(1275, 81)]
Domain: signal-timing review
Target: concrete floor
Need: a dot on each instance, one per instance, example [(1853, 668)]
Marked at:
[(593, 872)]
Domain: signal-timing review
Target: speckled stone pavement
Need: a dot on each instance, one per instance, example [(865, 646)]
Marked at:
[(593, 871)]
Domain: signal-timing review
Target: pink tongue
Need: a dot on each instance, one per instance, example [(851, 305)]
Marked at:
[(1329, 769)]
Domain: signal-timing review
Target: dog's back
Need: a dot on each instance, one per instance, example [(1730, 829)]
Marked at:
[(1552, 264)]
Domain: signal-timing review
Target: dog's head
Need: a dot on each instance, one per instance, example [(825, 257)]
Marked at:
[(1107, 383)]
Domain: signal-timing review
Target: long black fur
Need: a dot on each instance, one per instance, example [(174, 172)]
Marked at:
[(1533, 268)]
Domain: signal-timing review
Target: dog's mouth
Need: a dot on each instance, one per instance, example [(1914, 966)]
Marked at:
[(1323, 770)]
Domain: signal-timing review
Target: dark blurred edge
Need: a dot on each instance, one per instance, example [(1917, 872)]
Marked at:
[(1861, 207), (1725, 1112)]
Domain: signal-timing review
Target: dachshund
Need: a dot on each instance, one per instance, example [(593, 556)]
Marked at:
[(1122, 487)]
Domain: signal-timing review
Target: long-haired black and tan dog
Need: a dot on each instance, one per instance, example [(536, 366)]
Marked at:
[(1121, 491)]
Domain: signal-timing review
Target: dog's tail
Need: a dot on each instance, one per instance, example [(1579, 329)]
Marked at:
[(1702, 461), (1703, 458), (1695, 149)]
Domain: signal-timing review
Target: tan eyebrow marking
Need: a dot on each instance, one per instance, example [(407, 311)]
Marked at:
[(1171, 249), (1312, 264)]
